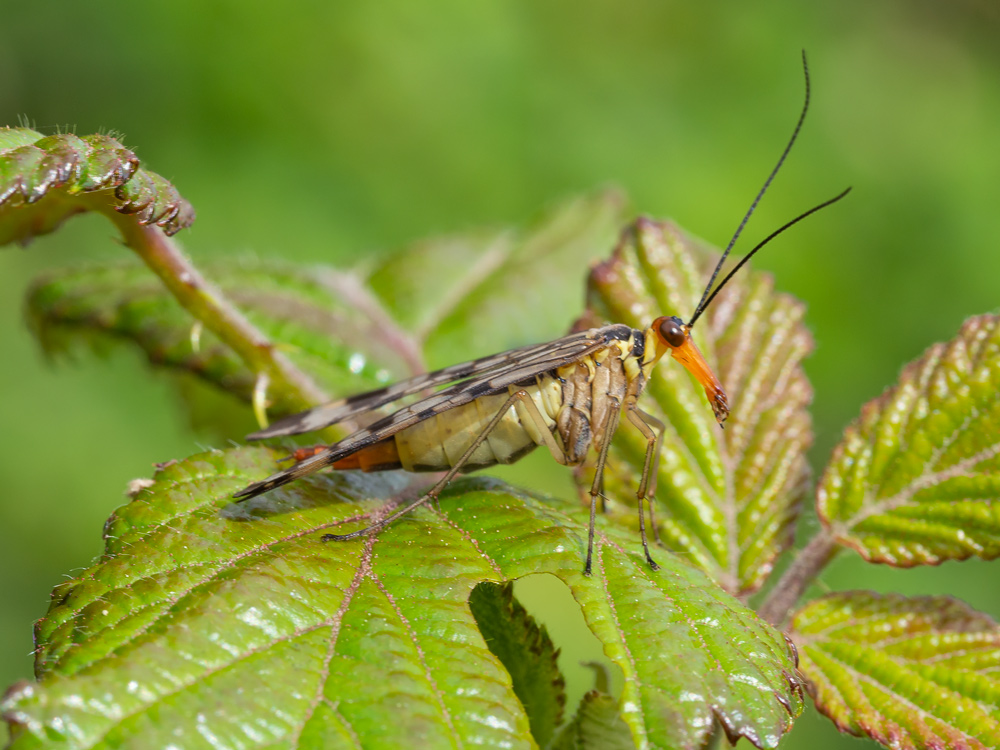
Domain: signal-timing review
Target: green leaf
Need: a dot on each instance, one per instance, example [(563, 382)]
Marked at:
[(916, 478), (910, 673), (320, 334), (596, 726), (479, 295), (209, 619), (526, 652), (46, 179), (731, 496), (355, 330)]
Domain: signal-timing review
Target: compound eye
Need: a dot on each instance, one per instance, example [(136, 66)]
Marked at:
[(672, 331)]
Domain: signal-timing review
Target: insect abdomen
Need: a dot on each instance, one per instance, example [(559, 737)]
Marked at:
[(382, 456), (569, 402), (438, 442)]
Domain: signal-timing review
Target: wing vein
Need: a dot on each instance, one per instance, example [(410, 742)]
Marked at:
[(345, 408), (497, 373)]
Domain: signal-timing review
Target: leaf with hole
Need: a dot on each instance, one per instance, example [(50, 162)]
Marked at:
[(206, 618), (526, 652)]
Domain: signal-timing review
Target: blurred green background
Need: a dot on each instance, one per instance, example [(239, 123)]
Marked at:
[(325, 132)]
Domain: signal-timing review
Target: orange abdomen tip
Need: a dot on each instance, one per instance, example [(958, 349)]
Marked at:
[(382, 456)]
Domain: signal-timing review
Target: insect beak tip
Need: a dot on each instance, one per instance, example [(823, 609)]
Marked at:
[(720, 404), (689, 356)]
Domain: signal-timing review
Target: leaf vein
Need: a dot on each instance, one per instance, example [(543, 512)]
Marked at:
[(464, 533), (861, 679), (223, 565), (634, 679), (445, 713), (364, 569), (924, 481)]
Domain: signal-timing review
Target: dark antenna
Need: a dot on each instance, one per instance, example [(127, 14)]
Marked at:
[(761, 244), (705, 299)]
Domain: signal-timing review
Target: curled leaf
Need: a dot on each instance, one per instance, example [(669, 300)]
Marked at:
[(730, 497), (46, 179), (910, 673), (597, 725), (374, 640), (526, 652), (916, 478), (154, 200)]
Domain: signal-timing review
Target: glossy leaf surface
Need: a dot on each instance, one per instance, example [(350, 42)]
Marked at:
[(206, 618), (726, 498), (917, 478), (46, 179), (910, 673)]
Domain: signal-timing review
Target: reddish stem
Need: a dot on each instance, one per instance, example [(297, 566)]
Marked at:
[(803, 571), (207, 304)]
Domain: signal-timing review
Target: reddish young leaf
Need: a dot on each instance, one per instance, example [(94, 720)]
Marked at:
[(917, 478), (46, 179), (910, 673)]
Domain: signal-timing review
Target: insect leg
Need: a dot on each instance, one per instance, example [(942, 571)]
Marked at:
[(597, 487), (433, 492), (654, 470), (647, 484), (539, 423)]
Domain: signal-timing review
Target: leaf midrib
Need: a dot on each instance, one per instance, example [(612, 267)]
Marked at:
[(920, 483)]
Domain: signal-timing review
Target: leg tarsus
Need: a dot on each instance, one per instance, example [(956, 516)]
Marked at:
[(590, 534), (431, 495), (652, 522), (649, 559), (642, 535)]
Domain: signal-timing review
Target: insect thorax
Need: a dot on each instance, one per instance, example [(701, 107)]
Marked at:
[(591, 389)]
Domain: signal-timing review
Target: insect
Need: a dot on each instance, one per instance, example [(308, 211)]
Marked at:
[(568, 395)]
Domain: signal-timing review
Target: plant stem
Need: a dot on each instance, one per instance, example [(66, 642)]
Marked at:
[(804, 568), (205, 302)]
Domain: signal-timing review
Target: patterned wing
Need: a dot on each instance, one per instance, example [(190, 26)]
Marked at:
[(506, 370), (346, 408)]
